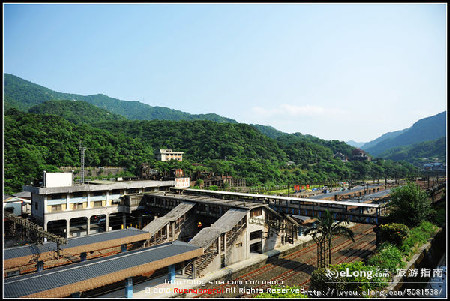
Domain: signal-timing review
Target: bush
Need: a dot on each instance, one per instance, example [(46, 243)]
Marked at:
[(388, 258), (213, 188), (417, 237), (363, 278), (393, 233), (409, 205)]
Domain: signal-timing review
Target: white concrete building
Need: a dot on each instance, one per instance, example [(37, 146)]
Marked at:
[(168, 154), (59, 200)]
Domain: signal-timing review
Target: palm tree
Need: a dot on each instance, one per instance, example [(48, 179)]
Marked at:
[(323, 232)]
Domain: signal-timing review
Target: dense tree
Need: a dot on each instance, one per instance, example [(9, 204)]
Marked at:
[(410, 205), (34, 142)]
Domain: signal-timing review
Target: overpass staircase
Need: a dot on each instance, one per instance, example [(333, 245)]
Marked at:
[(168, 227), (217, 240)]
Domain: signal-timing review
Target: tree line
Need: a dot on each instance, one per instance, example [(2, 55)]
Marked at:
[(37, 142)]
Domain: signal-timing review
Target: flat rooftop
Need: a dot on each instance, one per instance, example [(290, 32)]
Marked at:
[(283, 198), (99, 187), (248, 205)]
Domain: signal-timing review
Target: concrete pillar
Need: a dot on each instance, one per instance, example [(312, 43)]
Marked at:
[(173, 231), (40, 266), (194, 270), (167, 231), (68, 201), (183, 266), (88, 225), (68, 228), (45, 226), (129, 288), (225, 243), (89, 200), (107, 198), (171, 273), (124, 220), (107, 222), (218, 244)]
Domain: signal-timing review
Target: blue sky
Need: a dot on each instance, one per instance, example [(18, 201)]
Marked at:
[(333, 71)]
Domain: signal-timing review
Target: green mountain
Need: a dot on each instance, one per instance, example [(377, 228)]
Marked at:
[(33, 144), (75, 111), (269, 131), (430, 128), (387, 136), (258, 153), (22, 95), (419, 153), (355, 144)]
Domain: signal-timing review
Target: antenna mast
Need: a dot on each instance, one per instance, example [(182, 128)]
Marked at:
[(83, 150)]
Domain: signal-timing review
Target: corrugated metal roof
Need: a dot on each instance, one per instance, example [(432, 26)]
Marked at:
[(25, 285), (173, 215), (227, 221), (224, 224), (71, 243), (205, 237)]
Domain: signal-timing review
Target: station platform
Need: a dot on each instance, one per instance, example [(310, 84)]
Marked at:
[(161, 288), (20, 256), (87, 275)]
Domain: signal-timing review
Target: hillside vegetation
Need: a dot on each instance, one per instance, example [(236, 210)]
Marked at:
[(75, 111), (426, 129), (44, 129), (34, 144), (22, 95), (418, 153)]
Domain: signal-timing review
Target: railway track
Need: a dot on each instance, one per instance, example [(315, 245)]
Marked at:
[(288, 270)]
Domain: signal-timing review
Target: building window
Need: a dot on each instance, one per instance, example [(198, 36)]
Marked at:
[(77, 206), (98, 204), (56, 208), (256, 212), (256, 235), (55, 196)]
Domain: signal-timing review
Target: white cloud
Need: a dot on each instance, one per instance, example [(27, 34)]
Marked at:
[(297, 111)]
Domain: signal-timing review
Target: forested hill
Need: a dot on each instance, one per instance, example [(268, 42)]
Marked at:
[(75, 111), (386, 136), (202, 140), (22, 95), (33, 144), (425, 129), (419, 153)]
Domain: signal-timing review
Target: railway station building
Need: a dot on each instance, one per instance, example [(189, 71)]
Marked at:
[(58, 203)]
